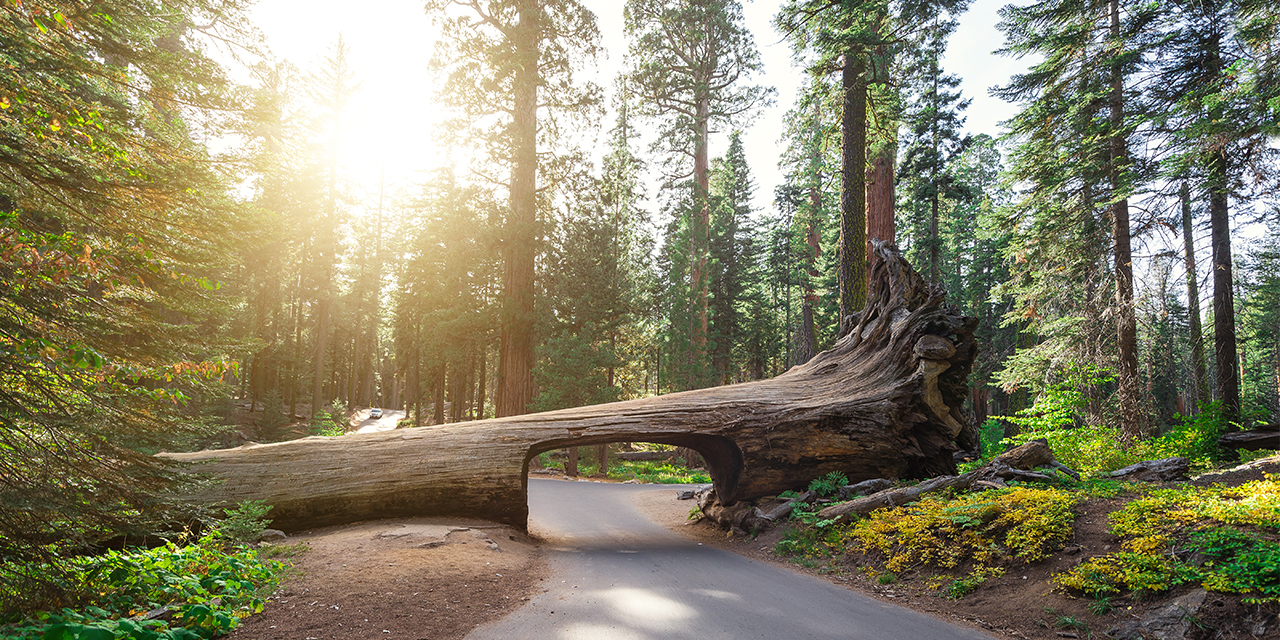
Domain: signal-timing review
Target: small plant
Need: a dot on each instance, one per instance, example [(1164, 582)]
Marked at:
[(244, 523), (1101, 605), (828, 485), (887, 578), (695, 514), (962, 587), (1071, 622)]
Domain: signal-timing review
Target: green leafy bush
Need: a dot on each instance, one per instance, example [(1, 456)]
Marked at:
[(1160, 530), (828, 485), (246, 522), (206, 587)]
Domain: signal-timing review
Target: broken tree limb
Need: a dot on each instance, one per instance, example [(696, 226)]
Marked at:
[(1015, 463), (884, 402)]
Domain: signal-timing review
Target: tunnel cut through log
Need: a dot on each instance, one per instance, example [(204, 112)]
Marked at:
[(884, 402)]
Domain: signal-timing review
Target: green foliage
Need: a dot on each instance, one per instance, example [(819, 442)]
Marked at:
[(208, 587), (271, 424), (983, 528), (657, 472), (828, 485), (1161, 530), (1193, 437), (991, 438), (246, 522), (332, 421), (810, 543), (961, 587)]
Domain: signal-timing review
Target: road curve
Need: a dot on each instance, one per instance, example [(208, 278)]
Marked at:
[(616, 575)]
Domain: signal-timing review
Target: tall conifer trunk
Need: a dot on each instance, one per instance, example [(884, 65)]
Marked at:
[(515, 363), (1193, 301), (880, 173), (699, 241), (853, 192), (1224, 310), (1132, 423)]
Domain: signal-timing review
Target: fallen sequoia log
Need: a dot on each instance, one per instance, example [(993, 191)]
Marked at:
[(884, 402), (1019, 463), (1263, 437)]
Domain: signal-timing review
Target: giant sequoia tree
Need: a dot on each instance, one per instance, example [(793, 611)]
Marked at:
[(504, 61)]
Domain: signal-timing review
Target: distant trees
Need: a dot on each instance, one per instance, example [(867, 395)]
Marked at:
[(527, 52), (691, 64)]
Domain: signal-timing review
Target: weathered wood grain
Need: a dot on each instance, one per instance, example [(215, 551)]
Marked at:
[(884, 402)]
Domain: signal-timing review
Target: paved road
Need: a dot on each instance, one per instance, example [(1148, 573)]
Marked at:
[(386, 423), (616, 575)]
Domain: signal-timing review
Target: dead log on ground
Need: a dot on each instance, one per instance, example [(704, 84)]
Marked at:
[(1253, 440), (1016, 464), (884, 402)]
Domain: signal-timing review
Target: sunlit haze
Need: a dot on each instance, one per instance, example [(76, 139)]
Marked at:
[(393, 116)]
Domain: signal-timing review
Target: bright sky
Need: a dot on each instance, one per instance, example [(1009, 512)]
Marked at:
[(390, 42)]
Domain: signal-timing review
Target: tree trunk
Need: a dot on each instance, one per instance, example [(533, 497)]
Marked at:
[(1224, 307), (699, 246), (322, 330), (1198, 374), (1132, 419), (880, 176), (853, 188), (515, 362), (884, 402)]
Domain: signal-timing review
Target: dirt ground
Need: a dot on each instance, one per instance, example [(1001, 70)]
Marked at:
[(429, 578), (432, 578)]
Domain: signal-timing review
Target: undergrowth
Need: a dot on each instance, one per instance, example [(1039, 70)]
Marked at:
[(1225, 539), (206, 586)]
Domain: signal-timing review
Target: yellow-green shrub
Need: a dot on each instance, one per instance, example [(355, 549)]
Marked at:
[(982, 527), (1166, 524)]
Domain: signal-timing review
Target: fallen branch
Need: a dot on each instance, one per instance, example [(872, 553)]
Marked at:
[(1015, 464)]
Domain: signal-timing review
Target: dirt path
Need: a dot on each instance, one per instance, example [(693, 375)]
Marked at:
[(429, 578)]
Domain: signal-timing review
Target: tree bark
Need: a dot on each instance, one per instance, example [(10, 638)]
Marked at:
[(885, 402), (515, 362), (1198, 374), (853, 188), (880, 172), (1132, 418)]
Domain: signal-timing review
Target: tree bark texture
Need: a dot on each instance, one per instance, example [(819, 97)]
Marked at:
[(884, 402), (515, 363), (853, 187)]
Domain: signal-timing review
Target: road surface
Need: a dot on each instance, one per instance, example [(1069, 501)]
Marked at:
[(386, 423), (616, 575)]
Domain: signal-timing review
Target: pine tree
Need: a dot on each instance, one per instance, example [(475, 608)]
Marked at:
[(691, 65), (934, 121), (114, 226), (504, 62), (1077, 97)]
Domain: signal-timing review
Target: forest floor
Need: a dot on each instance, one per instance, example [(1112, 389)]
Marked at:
[(439, 578)]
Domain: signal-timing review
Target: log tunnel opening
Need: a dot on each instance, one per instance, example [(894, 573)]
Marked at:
[(722, 455)]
